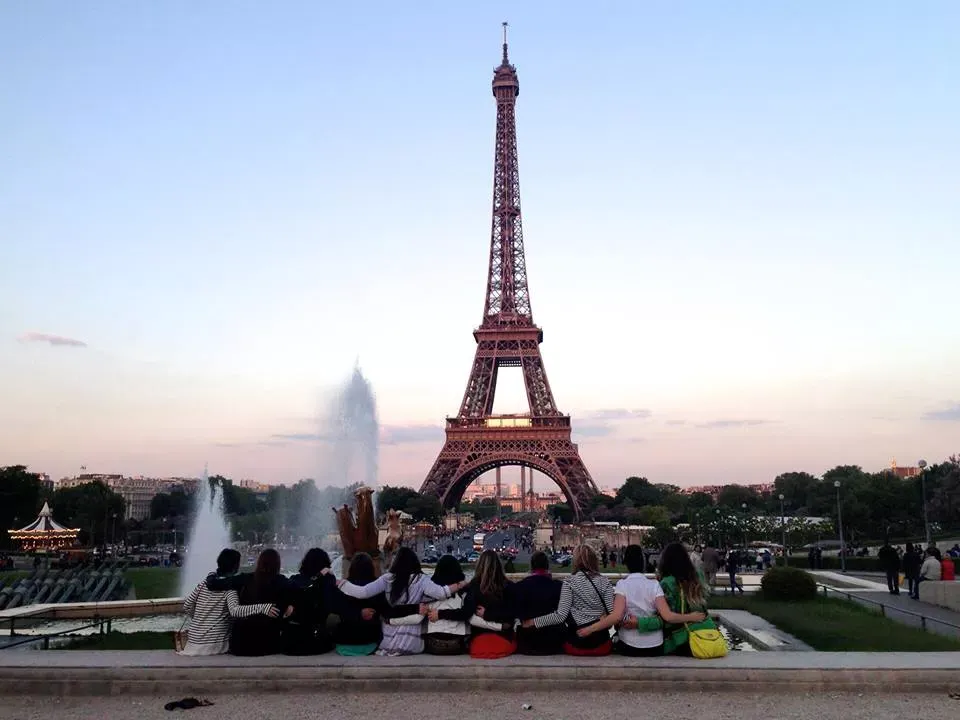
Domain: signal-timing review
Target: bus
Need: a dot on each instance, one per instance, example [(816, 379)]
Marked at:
[(478, 541)]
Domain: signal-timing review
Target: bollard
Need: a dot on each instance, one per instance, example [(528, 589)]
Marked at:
[(923, 622)]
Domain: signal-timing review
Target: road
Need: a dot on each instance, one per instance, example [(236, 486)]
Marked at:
[(557, 705), (464, 543)]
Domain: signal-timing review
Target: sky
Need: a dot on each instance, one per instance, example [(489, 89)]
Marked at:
[(741, 227)]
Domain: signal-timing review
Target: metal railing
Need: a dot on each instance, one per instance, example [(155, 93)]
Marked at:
[(924, 619), (104, 624)]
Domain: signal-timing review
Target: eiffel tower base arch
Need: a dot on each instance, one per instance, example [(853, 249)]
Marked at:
[(468, 455)]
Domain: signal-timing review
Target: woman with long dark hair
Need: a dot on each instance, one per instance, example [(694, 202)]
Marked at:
[(405, 584), (490, 599), (358, 632), (260, 635), (312, 595), (683, 588)]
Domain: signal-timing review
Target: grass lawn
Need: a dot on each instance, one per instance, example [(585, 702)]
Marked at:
[(123, 641), (832, 624), (153, 582)]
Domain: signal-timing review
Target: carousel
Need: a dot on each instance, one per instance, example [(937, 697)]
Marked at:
[(44, 533)]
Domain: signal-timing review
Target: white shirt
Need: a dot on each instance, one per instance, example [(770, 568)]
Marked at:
[(641, 594)]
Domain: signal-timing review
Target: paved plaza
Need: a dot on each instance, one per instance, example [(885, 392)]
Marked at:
[(555, 705)]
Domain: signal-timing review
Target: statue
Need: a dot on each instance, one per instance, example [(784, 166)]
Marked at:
[(394, 533), (361, 536)]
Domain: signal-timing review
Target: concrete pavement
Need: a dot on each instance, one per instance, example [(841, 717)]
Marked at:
[(555, 705)]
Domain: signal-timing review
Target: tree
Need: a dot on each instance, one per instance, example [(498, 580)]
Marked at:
[(176, 503), (734, 496), (797, 489), (91, 507), (21, 496), (425, 507), (395, 498), (640, 491)]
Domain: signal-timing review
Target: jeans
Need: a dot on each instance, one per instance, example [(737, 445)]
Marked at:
[(916, 588), (733, 583), (893, 581)]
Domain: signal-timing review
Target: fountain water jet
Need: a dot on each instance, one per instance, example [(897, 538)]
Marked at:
[(350, 451), (209, 534)]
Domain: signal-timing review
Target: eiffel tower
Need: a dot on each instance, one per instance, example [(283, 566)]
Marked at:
[(476, 439)]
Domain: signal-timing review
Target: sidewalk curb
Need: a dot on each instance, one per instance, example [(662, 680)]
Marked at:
[(213, 681)]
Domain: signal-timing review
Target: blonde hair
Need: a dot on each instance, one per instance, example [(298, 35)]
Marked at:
[(585, 560), (489, 575)]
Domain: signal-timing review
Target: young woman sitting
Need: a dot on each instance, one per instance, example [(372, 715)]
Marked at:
[(405, 584), (489, 604), (313, 596), (684, 591), (211, 612), (260, 635), (640, 600), (586, 596)]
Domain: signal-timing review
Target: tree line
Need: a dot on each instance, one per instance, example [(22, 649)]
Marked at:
[(874, 506)]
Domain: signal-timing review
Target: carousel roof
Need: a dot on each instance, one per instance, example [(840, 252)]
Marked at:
[(44, 524)]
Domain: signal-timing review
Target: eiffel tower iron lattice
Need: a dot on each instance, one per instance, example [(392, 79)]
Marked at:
[(476, 439)]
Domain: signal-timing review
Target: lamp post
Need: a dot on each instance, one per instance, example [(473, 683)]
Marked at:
[(783, 531), (843, 556), (699, 540), (922, 464), (744, 507)]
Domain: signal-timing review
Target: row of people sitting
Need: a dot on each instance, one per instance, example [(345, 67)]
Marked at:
[(404, 612)]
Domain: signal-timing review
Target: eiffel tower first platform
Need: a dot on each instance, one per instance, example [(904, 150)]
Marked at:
[(477, 440)]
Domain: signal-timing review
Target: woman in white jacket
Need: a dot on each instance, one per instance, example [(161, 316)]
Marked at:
[(448, 623), (930, 570)]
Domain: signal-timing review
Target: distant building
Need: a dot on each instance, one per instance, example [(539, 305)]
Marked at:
[(137, 492), (903, 472)]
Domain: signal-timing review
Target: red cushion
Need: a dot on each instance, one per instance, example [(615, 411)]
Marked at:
[(490, 646), (598, 651)]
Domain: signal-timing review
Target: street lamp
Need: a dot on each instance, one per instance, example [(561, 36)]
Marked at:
[(843, 557), (744, 506), (922, 464), (783, 531)]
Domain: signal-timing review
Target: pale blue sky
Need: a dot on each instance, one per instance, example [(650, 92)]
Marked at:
[(740, 217)]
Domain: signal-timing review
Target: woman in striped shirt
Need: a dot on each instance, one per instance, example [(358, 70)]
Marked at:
[(211, 612), (585, 597)]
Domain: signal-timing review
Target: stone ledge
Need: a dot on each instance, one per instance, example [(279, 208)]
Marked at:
[(943, 593), (863, 672)]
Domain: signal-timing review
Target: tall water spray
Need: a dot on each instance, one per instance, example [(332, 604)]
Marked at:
[(350, 450), (209, 534)]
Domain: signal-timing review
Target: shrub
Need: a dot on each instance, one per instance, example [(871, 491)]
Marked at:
[(788, 583)]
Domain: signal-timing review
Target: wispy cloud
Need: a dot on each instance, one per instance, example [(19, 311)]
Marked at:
[(676, 422), (618, 414), (298, 437), (596, 430), (55, 340), (950, 414), (409, 434), (721, 424)]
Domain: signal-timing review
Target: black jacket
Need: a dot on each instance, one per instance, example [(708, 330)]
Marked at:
[(534, 596), (889, 560)]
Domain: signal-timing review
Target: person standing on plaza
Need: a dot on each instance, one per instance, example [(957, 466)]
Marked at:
[(733, 560), (890, 564), (911, 570), (711, 563)]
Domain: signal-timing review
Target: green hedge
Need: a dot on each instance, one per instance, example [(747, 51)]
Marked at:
[(788, 583)]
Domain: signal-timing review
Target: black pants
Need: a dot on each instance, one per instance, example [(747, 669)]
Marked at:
[(622, 648), (893, 581)]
